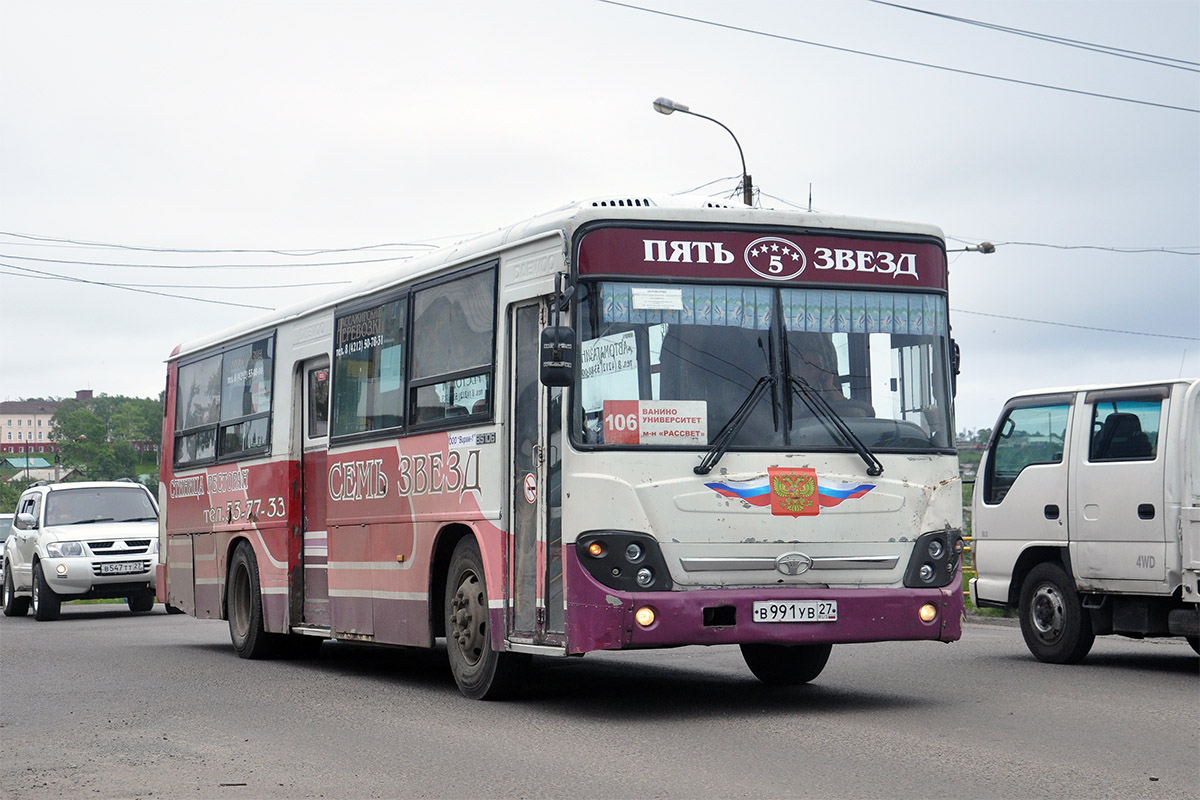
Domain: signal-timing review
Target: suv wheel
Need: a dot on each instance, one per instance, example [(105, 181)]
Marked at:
[(13, 606), (46, 604)]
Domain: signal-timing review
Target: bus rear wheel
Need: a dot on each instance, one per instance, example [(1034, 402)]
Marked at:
[(786, 665), (243, 600), (480, 671)]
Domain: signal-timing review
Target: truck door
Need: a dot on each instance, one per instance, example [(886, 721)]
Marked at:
[(1117, 522), (1021, 497)]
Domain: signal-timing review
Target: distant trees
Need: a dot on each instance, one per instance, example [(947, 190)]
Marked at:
[(96, 436)]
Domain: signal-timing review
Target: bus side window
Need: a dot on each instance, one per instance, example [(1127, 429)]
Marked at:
[(318, 402), (453, 344)]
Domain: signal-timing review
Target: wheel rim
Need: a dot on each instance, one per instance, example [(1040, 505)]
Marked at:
[(1048, 613), (468, 618), (37, 593), (239, 601), (7, 597)]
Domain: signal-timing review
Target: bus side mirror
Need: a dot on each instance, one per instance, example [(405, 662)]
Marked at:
[(558, 355)]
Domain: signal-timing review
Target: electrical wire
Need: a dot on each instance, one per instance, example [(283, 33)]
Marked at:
[(897, 60), (1070, 325), (299, 252), (1134, 55), (205, 266), (54, 276)]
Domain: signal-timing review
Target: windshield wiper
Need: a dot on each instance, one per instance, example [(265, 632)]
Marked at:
[(723, 439), (821, 408), (90, 521)]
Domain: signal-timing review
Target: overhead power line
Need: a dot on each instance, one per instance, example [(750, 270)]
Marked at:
[(1181, 250), (897, 60), (1070, 325), (1149, 58), (298, 252), (205, 266), (54, 276)]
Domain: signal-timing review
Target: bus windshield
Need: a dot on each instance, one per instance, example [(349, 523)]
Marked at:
[(670, 364)]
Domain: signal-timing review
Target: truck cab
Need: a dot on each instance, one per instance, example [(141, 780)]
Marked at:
[(1087, 515)]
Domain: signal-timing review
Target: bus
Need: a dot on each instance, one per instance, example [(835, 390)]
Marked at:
[(627, 423)]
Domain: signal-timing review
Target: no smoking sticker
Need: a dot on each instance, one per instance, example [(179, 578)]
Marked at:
[(530, 487)]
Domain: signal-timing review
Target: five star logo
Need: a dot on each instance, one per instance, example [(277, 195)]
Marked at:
[(775, 258), (794, 492)]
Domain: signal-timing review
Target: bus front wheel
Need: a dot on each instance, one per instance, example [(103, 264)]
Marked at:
[(480, 671), (786, 665)]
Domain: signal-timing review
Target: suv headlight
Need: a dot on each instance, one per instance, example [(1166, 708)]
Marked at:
[(65, 549)]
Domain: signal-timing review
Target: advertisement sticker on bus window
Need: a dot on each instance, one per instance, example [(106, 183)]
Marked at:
[(674, 422), (646, 299), (608, 368)]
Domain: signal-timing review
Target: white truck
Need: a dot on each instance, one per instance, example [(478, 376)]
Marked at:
[(1087, 515)]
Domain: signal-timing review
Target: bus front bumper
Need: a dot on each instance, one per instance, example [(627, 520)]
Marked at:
[(600, 618)]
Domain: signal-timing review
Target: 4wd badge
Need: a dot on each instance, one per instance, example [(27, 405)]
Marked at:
[(794, 492)]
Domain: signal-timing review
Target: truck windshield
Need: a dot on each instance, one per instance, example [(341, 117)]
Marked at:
[(668, 365)]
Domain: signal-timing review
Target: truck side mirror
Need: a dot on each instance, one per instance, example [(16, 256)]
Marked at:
[(558, 355)]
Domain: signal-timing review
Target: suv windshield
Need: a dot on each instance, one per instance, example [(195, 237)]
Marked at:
[(668, 365), (109, 504)]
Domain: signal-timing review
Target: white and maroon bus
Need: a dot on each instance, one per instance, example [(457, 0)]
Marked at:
[(623, 424)]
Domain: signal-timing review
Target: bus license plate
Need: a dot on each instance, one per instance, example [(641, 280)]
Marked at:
[(121, 568), (796, 611)]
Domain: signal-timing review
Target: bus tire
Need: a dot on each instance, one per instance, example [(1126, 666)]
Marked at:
[(46, 604), (140, 603), (480, 672), (13, 606), (243, 601), (784, 664), (1056, 626)]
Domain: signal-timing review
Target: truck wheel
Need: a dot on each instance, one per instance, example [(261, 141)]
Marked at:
[(13, 606), (243, 599), (1056, 626), (140, 604), (46, 604), (480, 672), (786, 665)]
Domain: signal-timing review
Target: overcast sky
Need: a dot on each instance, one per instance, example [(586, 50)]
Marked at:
[(293, 126)]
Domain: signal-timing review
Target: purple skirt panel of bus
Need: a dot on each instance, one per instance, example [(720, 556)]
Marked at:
[(600, 618)]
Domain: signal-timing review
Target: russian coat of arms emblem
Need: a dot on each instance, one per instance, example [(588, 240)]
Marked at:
[(794, 492)]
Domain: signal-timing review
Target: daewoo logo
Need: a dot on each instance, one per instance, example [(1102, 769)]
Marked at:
[(793, 563), (775, 259)]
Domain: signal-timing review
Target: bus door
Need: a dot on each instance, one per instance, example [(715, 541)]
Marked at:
[(535, 600), (314, 454)]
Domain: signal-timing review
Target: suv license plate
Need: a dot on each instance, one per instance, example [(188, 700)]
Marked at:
[(796, 611), (121, 568)]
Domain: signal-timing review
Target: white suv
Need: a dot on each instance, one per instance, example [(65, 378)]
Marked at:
[(73, 541)]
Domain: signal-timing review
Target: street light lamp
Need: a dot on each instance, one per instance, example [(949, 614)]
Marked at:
[(664, 105)]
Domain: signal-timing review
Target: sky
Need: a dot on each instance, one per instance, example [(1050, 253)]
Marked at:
[(189, 141)]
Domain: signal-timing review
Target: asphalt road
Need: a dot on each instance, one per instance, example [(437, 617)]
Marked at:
[(104, 704)]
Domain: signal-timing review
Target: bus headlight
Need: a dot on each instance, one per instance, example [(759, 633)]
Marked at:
[(624, 560), (934, 560)]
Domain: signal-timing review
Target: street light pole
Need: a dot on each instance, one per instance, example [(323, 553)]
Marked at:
[(665, 106)]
